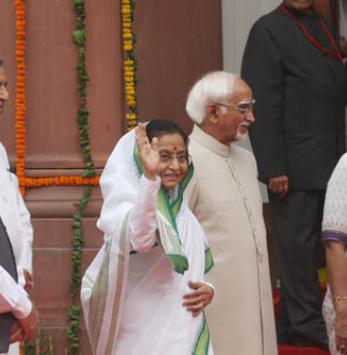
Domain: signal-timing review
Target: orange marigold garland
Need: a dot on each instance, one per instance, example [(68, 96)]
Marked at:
[(61, 181), (20, 92), (20, 106), (129, 39)]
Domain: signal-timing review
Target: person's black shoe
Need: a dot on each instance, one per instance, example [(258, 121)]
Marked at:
[(304, 341), (284, 339), (283, 331)]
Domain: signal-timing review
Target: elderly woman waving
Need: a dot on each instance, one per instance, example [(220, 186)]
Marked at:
[(144, 292)]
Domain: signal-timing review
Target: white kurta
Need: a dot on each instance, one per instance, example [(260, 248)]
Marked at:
[(225, 197), (13, 298), (16, 219)]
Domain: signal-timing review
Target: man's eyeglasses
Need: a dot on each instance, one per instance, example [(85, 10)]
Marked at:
[(245, 108)]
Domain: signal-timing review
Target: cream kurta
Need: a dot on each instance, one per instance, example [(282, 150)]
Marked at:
[(225, 197)]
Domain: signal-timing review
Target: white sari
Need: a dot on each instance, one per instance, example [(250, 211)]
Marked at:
[(334, 227), (132, 302)]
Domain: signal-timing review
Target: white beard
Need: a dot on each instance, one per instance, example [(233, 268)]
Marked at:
[(240, 137)]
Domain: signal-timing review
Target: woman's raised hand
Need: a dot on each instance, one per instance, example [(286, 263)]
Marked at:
[(148, 152)]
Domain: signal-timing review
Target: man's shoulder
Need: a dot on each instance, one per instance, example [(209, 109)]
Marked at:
[(245, 160), (196, 148), (4, 162), (2, 149), (269, 21)]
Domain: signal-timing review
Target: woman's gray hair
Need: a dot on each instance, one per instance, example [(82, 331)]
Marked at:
[(216, 86)]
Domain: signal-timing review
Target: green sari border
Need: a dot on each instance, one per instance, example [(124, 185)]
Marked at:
[(173, 245), (209, 262), (179, 262), (202, 343)]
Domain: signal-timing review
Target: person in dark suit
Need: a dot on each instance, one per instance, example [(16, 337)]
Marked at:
[(294, 66)]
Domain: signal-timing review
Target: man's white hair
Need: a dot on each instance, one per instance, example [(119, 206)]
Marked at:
[(216, 86)]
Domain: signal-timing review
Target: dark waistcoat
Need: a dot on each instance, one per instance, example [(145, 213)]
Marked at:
[(7, 261)]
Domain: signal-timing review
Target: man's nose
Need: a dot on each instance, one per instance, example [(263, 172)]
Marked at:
[(4, 95), (250, 116)]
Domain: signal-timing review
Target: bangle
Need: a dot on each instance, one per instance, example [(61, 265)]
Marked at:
[(210, 286), (340, 298)]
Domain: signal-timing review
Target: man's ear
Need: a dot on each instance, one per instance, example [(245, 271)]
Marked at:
[(212, 112)]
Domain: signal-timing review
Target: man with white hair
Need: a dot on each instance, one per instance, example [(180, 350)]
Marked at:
[(225, 197)]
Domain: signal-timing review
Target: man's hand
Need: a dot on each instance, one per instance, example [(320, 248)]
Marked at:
[(16, 333), (343, 46), (28, 324), (197, 300), (279, 185), (29, 283)]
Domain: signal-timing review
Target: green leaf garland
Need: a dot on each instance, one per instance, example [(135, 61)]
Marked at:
[(80, 38), (74, 314)]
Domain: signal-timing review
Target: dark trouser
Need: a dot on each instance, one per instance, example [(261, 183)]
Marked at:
[(296, 221)]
